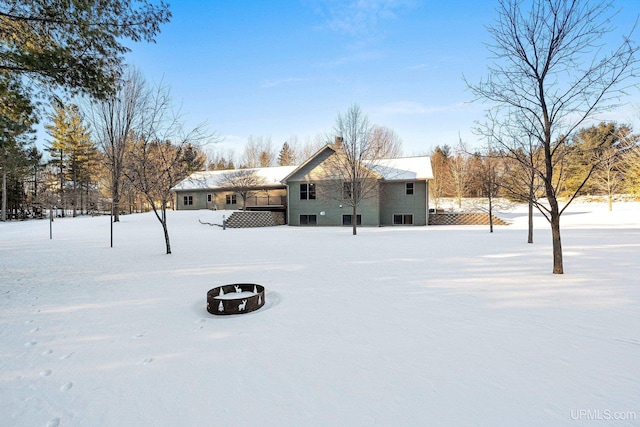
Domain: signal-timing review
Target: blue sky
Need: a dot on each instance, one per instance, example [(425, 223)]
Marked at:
[(281, 68)]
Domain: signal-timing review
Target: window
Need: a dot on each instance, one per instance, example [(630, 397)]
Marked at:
[(307, 191), (231, 199), (348, 219), (409, 188), (187, 200), (348, 190), (402, 219), (308, 220), (209, 198)]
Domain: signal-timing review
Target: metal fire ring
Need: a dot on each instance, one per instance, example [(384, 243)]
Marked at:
[(221, 301)]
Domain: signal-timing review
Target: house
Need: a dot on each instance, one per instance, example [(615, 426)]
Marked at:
[(310, 194), (399, 192), (250, 189)]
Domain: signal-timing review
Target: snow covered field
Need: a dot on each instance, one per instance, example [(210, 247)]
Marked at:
[(425, 326)]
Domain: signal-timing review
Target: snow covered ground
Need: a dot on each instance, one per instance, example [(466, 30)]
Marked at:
[(437, 326)]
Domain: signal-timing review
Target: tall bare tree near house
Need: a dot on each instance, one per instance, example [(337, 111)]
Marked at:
[(351, 170), (521, 183), (309, 147), (114, 121), (243, 182), (258, 152), (387, 142), (551, 74), (459, 171), (491, 171), (160, 155)]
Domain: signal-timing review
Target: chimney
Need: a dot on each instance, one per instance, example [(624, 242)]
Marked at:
[(338, 143)]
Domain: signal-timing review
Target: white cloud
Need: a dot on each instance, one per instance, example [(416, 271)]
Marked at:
[(358, 18)]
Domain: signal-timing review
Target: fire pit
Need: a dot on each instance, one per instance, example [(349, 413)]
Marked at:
[(236, 298)]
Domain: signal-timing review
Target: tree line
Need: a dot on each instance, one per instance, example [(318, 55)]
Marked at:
[(600, 160)]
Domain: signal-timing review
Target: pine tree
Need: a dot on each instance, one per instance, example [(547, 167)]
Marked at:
[(17, 117), (286, 156), (71, 149)]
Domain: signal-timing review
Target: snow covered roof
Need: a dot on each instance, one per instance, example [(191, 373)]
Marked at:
[(406, 168), (209, 180)]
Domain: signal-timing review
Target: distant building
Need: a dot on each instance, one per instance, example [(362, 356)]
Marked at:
[(310, 196)]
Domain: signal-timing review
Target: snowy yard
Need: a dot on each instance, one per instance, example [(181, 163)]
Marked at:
[(424, 326)]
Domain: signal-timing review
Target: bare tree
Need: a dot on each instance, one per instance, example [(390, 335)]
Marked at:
[(258, 152), (351, 174), (160, 155), (491, 171), (459, 172), (310, 147), (522, 183), (245, 182), (113, 121), (631, 165), (387, 143), (548, 77)]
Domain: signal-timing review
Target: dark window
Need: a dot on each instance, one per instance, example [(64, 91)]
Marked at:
[(188, 200), (231, 199), (209, 198), (409, 188), (348, 219), (308, 220), (307, 191), (348, 190), (402, 219)]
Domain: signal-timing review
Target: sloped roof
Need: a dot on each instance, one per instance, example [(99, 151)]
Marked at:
[(404, 168), (212, 180)]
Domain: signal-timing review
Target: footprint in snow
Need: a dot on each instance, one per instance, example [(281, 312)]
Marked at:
[(66, 386), (45, 373), (66, 356), (30, 343), (146, 361), (47, 352), (54, 422)]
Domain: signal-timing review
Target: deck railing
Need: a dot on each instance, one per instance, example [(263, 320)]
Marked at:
[(266, 201)]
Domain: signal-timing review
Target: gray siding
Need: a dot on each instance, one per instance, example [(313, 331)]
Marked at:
[(394, 200), (328, 209), (218, 199)]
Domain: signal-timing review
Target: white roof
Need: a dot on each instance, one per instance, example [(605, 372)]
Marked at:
[(214, 179), (406, 168)]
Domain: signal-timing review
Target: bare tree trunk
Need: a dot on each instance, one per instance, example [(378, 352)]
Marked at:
[(557, 244), (530, 234), (4, 194), (354, 221), (165, 229), (490, 214), (75, 194)]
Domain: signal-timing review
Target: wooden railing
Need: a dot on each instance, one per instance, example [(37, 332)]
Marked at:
[(266, 201)]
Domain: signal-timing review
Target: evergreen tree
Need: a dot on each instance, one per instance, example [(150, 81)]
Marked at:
[(75, 44), (71, 149), (17, 117), (286, 156)]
